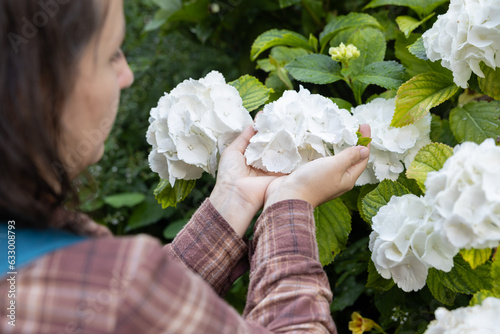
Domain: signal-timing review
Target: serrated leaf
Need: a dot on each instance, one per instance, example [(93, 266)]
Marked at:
[(333, 225), (315, 68), (490, 84), (418, 49), (124, 199), (343, 22), (371, 45), (387, 74), (252, 91), (380, 196), (365, 190), (376, 281), (166, 195), (442, 293), (276, 37), (418, 95), (476, 257), (407, 24), (463, 279), (421, 7), (476, 121), (430, 158)]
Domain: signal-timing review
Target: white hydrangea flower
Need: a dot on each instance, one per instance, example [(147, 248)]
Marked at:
[(404, 244), (297, 128), (477, 319), (469, 33), (192, 125), (392, 149), (466, 195)]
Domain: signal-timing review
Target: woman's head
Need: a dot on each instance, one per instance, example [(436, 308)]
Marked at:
[(61, 72)]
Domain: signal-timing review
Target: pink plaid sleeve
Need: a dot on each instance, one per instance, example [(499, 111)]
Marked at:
[(209, 247), (289, 291)]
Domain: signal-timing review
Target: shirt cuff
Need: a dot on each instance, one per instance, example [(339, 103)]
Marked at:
[(286, 228), (210, 247)]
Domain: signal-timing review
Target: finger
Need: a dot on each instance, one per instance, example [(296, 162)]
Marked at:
[(351, 157), (365, 130), (240, 143)]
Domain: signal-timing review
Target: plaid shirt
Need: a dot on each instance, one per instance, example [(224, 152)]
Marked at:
[(134, 285)]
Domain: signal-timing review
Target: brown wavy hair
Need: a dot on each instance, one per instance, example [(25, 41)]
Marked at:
[(41, 45)]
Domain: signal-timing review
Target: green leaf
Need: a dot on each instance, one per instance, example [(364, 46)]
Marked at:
[(174, 228), (380, 196), (476, 257), (341, 103), (476, 121), (407, 24), (371, 45), (490, 84), (441, 132), (252, 91), (167, 195), (146, 213), (276, 37), (365, 190), (430, 158), (346, 294), (415, 66), (282, 55), (387, 74), (343, 22), (418, 95), (418, 49), (313, 42), (376, 281), (442, 293), (168, 8), (315, 68), (495, 274), (478, 297), (125, 199), (421, 7), (333, 225), (463, 279)]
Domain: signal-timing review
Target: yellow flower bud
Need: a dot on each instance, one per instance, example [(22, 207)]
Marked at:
[(343, 53)]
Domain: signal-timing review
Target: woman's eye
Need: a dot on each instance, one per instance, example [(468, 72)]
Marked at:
[(117, 56)]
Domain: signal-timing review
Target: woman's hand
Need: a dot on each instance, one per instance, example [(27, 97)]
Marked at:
[(240, 189), (323, 179)]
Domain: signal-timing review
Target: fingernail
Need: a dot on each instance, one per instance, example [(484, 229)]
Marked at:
[(364, 152)]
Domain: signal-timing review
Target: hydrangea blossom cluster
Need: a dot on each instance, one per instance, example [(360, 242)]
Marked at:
[(469, 33), (466, 195), (191, 126), (405, 243), (391, 148), (297, 128), (474, 319), (460, 209)]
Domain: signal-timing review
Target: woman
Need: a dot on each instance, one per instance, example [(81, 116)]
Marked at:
[(62, 71)]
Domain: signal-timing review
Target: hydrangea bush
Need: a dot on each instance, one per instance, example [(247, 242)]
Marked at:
[(419, 232)]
